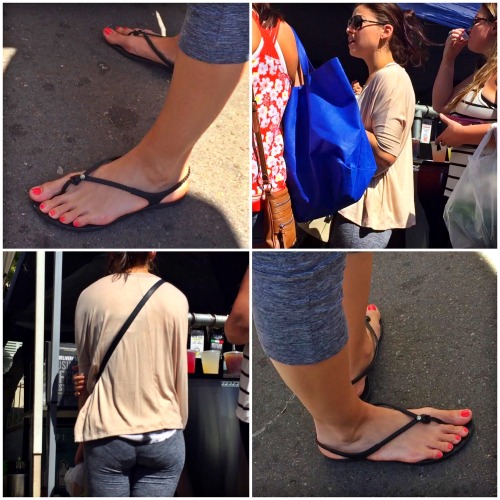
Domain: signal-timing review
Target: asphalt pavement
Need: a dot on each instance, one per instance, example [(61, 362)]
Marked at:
[(70, 101), (439, 349)]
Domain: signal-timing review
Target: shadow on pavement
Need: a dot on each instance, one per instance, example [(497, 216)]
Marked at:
[(70, 101), (440, 349)]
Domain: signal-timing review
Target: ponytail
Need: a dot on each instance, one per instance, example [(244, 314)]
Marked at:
[(408, 43)]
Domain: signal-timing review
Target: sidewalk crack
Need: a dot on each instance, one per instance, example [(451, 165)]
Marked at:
[(264, 428)]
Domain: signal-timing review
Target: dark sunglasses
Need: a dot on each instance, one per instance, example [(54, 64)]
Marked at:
[(356, 22), (478, 20)]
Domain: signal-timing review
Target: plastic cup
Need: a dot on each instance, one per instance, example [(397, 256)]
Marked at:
[(438, 152), (233, 361), (191, 360), (210, 361)]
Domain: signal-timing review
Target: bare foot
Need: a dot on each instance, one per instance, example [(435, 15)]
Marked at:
[(365, 356), (420, 442), (96, 204), (138, 46)]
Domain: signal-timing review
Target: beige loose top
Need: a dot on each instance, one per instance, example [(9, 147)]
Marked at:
[(387, 106), (144, 385)]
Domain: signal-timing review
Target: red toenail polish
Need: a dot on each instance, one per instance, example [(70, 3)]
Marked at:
[(36, 191), (52, 212), (440, 455), (62, 218), (108, 31), (465, 413), (458, 438), (465, 430), (76, 223), (42, 206), (450, 446), (372, 307)]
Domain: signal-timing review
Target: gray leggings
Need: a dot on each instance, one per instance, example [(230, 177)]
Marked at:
[(216, 32), (297, 305), (346, 234), (120, 468)]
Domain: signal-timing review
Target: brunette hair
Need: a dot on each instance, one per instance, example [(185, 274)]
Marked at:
[(268, 16), (123, 262), (408, 43), (489, 68)]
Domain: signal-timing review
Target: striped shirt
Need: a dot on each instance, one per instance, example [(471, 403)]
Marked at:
[(478, 108), (243, 409)]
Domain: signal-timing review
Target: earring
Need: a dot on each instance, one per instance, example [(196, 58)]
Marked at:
[(151, 265)]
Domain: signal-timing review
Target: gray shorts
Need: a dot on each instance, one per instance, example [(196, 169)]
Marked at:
[(297, 305), (216, 33), (346, 234), (120, 468)]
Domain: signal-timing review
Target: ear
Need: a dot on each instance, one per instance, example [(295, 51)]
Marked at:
[(494, 28), (387, 31)]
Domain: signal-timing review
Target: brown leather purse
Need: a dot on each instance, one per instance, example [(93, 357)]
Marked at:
[(279, 223)]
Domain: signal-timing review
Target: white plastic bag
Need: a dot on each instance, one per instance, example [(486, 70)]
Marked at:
[(75, 480), (471, 211)]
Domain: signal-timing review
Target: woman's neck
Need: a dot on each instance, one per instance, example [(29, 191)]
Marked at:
[(378, 60), (139, 269)]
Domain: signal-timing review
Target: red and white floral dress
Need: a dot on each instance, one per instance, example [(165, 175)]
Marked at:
[(271, 86)]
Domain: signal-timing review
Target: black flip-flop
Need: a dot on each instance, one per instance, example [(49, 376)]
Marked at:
[(366, 394), (166, 64), (416, 419), (154, 199)]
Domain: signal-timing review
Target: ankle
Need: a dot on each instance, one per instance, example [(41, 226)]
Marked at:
[(158, 169), (344, 432)]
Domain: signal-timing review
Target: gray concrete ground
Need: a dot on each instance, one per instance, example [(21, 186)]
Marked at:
[(70, 100), (440, 349)]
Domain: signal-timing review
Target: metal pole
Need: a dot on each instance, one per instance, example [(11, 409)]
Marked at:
[(38, 370), (53, 380), (214, 320)]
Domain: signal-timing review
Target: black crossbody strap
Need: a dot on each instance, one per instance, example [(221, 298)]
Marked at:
[(126, 326)]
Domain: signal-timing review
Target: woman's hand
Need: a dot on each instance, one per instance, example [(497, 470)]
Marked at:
[(79, 381), (456, 41), (452, 136), (356, 87)]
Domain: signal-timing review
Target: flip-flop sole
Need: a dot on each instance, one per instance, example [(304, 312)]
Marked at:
[(92, 227), (141, 59)]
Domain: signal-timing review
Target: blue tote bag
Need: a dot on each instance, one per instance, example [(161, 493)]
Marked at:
[(329, 161)]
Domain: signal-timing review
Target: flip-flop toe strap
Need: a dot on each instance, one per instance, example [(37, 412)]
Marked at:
[(375, 353), (417, 419), (151, 44), (152, 198)]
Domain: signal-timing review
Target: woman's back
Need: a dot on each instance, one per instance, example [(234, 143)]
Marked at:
[(144, 386), (274, 64)]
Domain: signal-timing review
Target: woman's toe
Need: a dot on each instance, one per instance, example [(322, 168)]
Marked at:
[(444, 446), (454, 417)]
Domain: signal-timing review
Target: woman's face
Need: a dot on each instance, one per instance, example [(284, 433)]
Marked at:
[(364, 41), (483, 34)]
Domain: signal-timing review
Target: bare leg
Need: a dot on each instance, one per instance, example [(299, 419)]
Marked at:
[(198, 93), (356, 289)]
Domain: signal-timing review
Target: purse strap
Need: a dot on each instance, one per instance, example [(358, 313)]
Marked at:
[(259, 154), (305, 63), (126, 326)]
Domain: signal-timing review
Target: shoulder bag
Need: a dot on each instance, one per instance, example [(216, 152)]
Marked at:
[(328, 157), (279, 223)]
